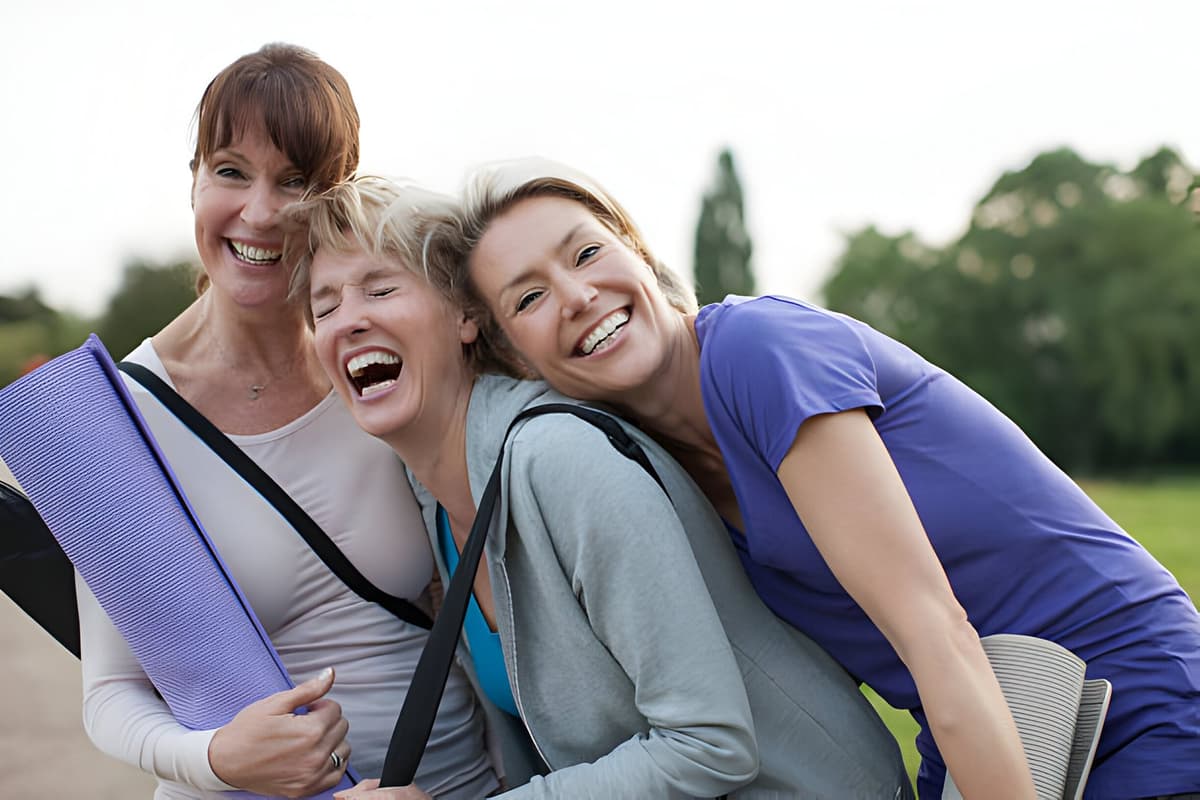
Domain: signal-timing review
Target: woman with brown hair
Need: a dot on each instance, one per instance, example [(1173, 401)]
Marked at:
[(272, 125)]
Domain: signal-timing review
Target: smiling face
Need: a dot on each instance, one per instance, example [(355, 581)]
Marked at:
[(236, 198), (390, 343), (581, 306)]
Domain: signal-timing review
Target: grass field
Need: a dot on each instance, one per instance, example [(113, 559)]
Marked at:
[(1160, 513)]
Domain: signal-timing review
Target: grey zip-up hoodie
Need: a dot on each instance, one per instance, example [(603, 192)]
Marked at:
[(641, 659)]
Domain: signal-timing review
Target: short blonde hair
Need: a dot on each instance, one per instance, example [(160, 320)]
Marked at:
[(386, 220), (496, 187)]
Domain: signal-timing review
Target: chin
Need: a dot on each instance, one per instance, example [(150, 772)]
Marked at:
[(380, 429)]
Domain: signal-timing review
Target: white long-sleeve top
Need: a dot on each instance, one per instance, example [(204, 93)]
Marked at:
[(355, 488)]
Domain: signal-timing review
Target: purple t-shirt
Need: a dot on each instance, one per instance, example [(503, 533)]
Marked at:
[(1026, 551)]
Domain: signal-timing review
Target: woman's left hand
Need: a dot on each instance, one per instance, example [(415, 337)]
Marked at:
[(369, 790)]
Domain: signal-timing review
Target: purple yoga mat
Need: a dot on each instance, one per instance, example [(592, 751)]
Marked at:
[(73, 437)]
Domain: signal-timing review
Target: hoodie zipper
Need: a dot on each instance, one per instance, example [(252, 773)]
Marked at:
[(516, 688)]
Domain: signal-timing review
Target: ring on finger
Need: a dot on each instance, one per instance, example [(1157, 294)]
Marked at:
[(336, 759)]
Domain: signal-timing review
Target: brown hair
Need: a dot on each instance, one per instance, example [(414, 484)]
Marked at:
[(494, 189), (303, 104), (387, 220)]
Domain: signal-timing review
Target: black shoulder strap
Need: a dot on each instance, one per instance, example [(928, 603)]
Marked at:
[(34, 570), (242, 464), (415, 722)]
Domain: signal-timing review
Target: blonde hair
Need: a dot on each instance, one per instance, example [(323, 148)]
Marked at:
[(387, 220), (496, 187)]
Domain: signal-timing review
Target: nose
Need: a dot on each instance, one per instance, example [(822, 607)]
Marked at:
[(261, 206), (350, 318), (575, 294)]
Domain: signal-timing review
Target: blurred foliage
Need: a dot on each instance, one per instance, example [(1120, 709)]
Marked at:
[(1071, 302), (148, 297), (32, 332), (723, 247)]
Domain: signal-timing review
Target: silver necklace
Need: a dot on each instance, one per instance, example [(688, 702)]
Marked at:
[(256, 390)]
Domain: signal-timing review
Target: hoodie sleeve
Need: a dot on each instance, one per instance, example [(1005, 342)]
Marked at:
[(622, 547)]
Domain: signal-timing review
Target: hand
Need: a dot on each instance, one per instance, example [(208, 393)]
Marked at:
[(369, 790), (268, 749)]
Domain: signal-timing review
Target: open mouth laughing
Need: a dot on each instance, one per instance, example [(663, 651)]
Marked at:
[(604, 334), (373, 371)]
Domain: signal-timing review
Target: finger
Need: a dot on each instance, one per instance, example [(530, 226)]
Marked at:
[(340, 756), (324, 708), (328, 727), (310, 691), (363, 786), (326, 780), (339, 730), (334, 741)]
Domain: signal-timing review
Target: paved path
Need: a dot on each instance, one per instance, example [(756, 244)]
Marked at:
[(43, 749)]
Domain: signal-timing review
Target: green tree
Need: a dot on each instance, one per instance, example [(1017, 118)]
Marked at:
[(149, 296), (24, 306), (722, 256), (32, 332), (1071, 302)]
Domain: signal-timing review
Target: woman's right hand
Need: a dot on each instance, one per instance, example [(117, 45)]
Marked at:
[(369, 790), (270, 750)]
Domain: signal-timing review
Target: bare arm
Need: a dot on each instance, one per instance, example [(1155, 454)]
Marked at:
[(845, 488)]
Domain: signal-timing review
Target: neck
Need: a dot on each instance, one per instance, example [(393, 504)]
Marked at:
[(271, 337), (268, 345), (670, 405), (435, 449)]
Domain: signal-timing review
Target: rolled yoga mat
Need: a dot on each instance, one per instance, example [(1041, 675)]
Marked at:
[(73, 437)]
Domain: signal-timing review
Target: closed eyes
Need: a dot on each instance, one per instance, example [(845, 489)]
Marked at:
[(382, 291)]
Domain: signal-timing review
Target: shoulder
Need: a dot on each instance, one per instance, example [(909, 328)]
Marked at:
[(769, 342), (559, 454), (145, 355), (741, 326)]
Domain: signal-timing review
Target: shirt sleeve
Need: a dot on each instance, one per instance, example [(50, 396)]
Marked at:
[(769, 364), (124, 716), (633, 569)]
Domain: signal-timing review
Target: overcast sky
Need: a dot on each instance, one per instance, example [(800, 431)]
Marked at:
[(839, 113)]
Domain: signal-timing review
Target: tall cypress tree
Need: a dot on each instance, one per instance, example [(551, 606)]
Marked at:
[(723, 247)]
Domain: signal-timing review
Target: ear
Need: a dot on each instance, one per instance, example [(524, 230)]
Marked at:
[(192, 165), (468, 330)]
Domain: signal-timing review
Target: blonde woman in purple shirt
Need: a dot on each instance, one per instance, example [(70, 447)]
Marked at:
[(876, 502)]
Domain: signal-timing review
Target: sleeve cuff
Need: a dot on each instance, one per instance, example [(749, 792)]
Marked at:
[(195, 767)]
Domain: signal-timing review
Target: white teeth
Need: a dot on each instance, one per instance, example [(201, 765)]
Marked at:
[(376, 387), (604, 330), (363, 360), (258, 254)]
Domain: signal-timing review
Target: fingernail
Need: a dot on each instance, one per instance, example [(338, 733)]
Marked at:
[(325, 674)]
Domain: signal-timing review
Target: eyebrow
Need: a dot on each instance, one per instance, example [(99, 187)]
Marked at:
[(229, 151), (525, 273), (327, 290), (321, 293)]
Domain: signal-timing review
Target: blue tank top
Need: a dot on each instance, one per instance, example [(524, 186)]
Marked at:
[(482, 640)]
